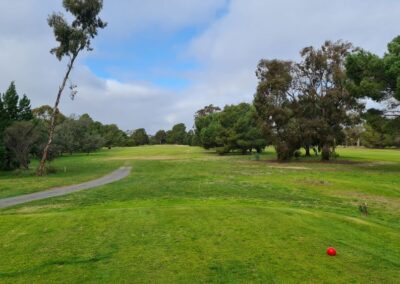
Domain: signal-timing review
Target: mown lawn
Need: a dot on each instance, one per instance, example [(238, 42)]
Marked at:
[(185, 215)]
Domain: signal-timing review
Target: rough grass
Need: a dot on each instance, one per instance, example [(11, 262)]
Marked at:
[(186, 215)]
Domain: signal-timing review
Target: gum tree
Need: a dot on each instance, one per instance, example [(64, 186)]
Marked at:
[(307, 104), (72, 38)]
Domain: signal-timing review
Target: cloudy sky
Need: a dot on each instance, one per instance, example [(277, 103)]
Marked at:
[(159, 61)]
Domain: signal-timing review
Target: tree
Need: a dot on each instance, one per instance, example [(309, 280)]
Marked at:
[(10, 103), (140, 137), (12, 109), (160, 137), (190, 138), (91, 142), (112, 135), (375, 77), (19, 138), (353, 135), (207, 110), (234, 128), (67, 135), (276, 103), (24, 109), (203, 118), (44, 113), (77, 135), (209, 133), (380, 131), (307, 103), (241, 130), (177, 135), (72, 38), (378, 78), (322, 84)]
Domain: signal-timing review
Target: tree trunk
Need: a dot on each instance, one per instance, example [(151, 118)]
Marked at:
[(326, 153), (334, 149), (41, 168), (308, 154)]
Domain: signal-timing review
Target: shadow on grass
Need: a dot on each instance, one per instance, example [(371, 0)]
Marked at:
[(61, 262)]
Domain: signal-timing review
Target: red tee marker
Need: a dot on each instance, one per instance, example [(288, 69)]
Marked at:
[(331, 251)]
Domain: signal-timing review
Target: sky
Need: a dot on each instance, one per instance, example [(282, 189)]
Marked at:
[(159, 61)]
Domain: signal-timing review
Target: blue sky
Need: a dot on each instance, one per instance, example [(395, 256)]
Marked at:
[(152, 56), (159, 61)]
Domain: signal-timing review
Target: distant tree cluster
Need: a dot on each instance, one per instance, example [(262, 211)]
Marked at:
[(24, 132), (313, 104), (380, 131), (81, 134), (378, 78), (178, 135), (235, 128), (16, 129)]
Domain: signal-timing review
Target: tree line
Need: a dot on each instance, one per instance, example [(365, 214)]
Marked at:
[(314, 104), (24, 133), (178, 135)]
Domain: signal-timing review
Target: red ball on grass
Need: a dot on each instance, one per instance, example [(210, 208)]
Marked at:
[(331, 251)]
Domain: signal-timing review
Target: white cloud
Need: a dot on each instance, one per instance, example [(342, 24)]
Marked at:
[(231, 48), (127, 17), (228, 50)]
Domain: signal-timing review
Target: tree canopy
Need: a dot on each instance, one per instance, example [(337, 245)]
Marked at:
[(72, 38), (234, 128), (306, 104)]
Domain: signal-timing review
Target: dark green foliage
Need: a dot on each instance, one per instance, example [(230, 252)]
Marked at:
[(73, 38), (19, 139), (112, 135), (276, 106), (375, 77), (234, 129), (378, 78), (91, 142), (177, 135), (380, 131), (12, 109), (24, 109), (139, 137), (306, 104), (190, 139), (207, 110), (77, 135), (160, 137), (10, 103)]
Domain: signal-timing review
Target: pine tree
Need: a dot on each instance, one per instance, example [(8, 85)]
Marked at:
[(10, 102), (12, 109), (24, 109)]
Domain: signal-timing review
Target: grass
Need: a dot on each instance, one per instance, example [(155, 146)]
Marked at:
[(186, 215), (70, 170)]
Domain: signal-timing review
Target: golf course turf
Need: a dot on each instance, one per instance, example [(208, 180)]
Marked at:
[(186, 215)]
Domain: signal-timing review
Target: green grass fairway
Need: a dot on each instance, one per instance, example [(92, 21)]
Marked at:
[(186, 215)]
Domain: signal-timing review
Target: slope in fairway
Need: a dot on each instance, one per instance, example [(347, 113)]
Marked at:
[(187, 215)]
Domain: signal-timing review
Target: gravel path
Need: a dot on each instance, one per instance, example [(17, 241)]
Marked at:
[(59, 191)]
